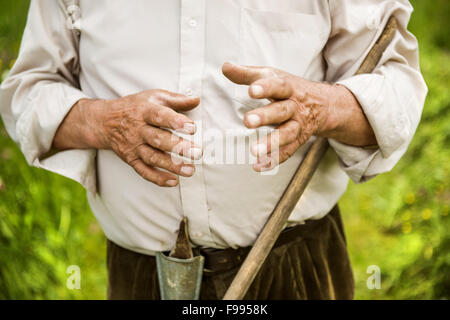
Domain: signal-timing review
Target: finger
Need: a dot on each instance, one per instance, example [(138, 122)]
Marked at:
[(287, 151), (159, 159), (161, 116), (244, 74), (285, 134), (266, 162), (270, 88), (169, 142), (178, 102), (273, 113), (270, 161), (161, 178)]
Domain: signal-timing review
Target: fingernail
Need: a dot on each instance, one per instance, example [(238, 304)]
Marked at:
[(259, 149), (188, 128), (263, 166), (194, 153), (187, 170), (171, 183), (269, 166), (264, 161), (257, 90), (254, 120)]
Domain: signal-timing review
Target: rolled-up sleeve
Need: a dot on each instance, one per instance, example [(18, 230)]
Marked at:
[(41, 89), (392, 97)]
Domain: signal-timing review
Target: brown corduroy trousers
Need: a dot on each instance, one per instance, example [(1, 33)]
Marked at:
[(313, 266)]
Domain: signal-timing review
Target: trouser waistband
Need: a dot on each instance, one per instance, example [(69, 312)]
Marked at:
[(221, 260)]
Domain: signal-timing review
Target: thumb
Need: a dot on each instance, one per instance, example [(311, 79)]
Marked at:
[(240, 74)]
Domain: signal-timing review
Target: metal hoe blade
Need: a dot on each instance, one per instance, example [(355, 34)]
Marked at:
[(180, 273)]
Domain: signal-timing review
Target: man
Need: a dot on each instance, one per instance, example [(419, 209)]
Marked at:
[(108, 93)]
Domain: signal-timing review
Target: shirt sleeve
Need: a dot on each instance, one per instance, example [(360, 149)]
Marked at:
[(392, 97), (41, 89)]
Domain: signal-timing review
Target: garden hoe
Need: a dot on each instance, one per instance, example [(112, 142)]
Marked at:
[(180, 273)]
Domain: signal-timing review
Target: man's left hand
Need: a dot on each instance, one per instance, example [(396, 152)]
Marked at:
[(301, 109)]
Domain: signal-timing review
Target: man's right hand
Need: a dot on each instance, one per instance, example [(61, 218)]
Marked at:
[(135, 128)]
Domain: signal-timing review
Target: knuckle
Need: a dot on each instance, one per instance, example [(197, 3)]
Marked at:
[(281, 82), (171, 165), (174, 167), (157, 93), (157, 138), (151, 115), (150, 134), (130, 158), (292, 132), (145, 155), (284, 110), (152, 95), (125, 152), (143, 131), (153, 158), (301, 95), (159, 115), (144, 172), (140, 169), (176, 120)]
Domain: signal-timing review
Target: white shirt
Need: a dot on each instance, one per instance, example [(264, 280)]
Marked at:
[(126, 47)]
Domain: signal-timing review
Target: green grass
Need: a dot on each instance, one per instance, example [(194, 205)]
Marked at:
[(45, 222), (398, 221)]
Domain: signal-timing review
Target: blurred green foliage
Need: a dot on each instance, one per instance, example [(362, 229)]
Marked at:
[(45, 221), (398, 221)]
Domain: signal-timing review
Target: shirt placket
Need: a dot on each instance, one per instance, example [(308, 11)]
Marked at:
[(192, 43)]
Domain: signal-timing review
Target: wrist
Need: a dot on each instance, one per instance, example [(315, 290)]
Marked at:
[(345, 119), (94, 112), (331, 96), (341, 108)]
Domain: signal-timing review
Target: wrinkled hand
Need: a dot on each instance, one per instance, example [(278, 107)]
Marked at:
[(299, 107), (135, 128)]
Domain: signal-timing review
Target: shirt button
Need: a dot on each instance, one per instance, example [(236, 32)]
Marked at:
[(193, 23), (189, 92)]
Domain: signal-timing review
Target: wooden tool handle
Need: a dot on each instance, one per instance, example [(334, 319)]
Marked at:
[(296, 187)]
